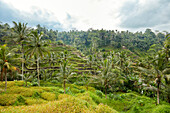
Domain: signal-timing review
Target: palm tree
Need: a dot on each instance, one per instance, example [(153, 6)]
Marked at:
[(21, 31), (27, 77), (37, 47), (161, 62), (159, 65), (65, 70), (166, 48), (106, 75), (7, 59)]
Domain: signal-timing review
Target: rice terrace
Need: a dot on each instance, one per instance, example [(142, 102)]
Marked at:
[(84, 56)]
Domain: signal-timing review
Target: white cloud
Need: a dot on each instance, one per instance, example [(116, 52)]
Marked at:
[(142, 14), (95, 14), (84, 14)]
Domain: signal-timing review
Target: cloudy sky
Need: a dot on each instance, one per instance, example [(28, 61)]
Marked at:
[(64, 15)]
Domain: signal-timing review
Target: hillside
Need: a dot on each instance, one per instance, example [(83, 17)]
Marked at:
[(78, 71), (77, 99)]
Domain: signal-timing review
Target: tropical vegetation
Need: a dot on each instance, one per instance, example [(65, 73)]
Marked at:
[(102, 71)]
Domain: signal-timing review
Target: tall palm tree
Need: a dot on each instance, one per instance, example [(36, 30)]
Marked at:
[(21, 31), (37, 47), (159, 66), (7, 59), (161, 62)]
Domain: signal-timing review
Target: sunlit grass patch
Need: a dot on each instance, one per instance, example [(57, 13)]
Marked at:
[(48, 96), (9, 84), (66, 105), (31, 101), (101, 108), (8, 99), (24, 91)]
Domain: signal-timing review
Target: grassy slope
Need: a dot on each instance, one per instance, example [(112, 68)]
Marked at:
[(78, 99)]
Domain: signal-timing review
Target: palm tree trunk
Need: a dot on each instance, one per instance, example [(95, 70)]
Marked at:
[(38, 71), (158, 94), (64, 86), (105, 89), (168, 97), (22, 63), (105, 92), (2, 71), (87, 87), (5, 80), (26, 83)]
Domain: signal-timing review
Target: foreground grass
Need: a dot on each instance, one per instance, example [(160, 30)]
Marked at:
[(19, 99), (67, 104)]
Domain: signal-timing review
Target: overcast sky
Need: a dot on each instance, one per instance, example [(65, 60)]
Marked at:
[(64, 15)]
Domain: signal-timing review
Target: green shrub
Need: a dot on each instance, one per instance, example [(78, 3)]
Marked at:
[(48, 96), (28, 84), (162, 109), (21, 99), (96, 98), (117, 97), (68, 91), (56, 94), (61, 91), (54, 81), (35, 84), (110, 96), (136, 109), (74, 90), (82, 91), (86, 96), (119, 105), (36, 95), (130, 95), (99, 93)]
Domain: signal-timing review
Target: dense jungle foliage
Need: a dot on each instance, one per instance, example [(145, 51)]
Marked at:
[(83, 71)]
